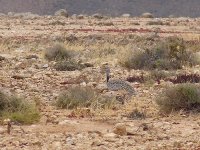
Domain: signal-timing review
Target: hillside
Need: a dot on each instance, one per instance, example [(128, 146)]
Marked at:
[(109, 7)]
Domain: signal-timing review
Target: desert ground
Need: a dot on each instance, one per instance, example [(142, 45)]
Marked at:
[(25, 72)]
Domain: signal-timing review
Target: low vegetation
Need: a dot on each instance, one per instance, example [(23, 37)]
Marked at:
[(136, 115), (68, 66), (58, 53), (181, 97), (186, 78), (17, 109), (171, 53), (77, 97)]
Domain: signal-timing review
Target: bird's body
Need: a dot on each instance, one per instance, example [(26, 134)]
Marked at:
[(115, 85)]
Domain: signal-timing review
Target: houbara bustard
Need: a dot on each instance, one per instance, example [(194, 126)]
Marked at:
[(116, 85)]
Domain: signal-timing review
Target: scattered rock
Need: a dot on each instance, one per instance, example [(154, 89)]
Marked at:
[(45, 66), (62, 12), (80, 16), (2, 58), (68, 122), (120, 129), (110, 135), (97, 16), (126, 15), (97, 143), (147, 15)]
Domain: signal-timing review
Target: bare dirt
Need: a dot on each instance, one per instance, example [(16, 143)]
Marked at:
[(35, 80)]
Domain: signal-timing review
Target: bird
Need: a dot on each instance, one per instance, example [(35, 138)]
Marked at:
[(116, 85)]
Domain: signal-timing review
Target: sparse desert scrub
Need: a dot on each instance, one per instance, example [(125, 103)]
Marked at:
[(157, 22), (136, 114), (68, 66), (58, 52), (17, 109), (160, 74), (77, 97), (185, 78), (181, 97), (171, 53)]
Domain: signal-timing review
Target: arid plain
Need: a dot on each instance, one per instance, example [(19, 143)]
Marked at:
[(95, 42)]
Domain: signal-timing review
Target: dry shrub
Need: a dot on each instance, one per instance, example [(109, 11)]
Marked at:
[(136, 114), (77, 97), (17, 109), (58, 52), (186, 78), (168, 54), (180, 97), (68, 66), (159, 75)]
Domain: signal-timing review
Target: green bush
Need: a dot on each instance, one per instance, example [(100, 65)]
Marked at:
[(17, 109), (168, 54), (58, 52), (83, 97), (181, 97)]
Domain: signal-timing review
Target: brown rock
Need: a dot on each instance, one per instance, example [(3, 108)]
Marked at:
[(120, 129)]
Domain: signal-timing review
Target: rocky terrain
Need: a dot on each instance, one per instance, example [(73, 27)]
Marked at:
[(25, 72)]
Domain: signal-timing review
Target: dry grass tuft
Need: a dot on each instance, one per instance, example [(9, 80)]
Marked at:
[(58, 52), (17, 109), (68, 66), (168, 54), (77, 97), (180, 97)]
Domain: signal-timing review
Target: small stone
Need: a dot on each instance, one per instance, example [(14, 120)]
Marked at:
[(80, 16), (126, 15), (45, 66), (65, 122), (110, 135), (120, 129), (97, 16), (62, 12), (70, 141), (97, 143), (147, 15), (2, 58)]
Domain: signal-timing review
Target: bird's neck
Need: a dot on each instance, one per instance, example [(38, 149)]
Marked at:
[(107, 77)]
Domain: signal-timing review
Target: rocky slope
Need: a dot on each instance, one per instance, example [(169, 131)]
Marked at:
[(109, 7)]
